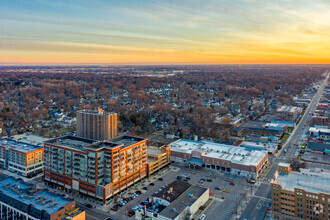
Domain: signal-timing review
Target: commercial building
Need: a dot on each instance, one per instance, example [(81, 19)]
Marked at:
[(283, 168), (97, 169), (270, 147), (157, 159), (19, 200), (96, 125), (257, 128), (287, 113), (22, 155), (301, 195), (226, 158), (319, 133), (320, 118), (179, 200)]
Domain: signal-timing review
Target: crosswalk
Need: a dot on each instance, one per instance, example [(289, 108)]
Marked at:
[(263, 198)]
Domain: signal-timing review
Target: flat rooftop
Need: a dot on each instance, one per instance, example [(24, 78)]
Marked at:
[(268, 146), (30, 139), (319, 129), (283, 164), (172, 191), (82, 144), (312, 180), (18, 145), (154, 151), (126, 140), (187, 198), (28, 194), (73, 142), (253, 124), (96, 112), (286, 108), (235, 154)]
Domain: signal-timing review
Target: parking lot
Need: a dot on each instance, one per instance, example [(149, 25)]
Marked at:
[(230, 190)]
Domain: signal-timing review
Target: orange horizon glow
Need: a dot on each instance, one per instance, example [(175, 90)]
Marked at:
[(216, 32)]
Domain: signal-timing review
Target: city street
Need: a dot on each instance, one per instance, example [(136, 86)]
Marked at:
[(293, 141), (258, 205), (260, 202)]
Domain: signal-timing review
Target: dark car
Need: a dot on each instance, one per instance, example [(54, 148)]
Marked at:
[(139, 192), (110, 218), (151, 184), (115, 209), (188, 178), (145, 188), (89, 206), (130, 213), (160, 179), (179, 177), (144, 203), (209, 180)]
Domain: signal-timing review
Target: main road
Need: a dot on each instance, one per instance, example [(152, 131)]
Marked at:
[(260, 201), (292, 143)]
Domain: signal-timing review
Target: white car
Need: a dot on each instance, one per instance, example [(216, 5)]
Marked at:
[(202, 217)]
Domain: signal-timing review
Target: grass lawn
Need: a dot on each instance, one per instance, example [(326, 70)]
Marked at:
[(290, 130), (59, 132), (284, 138)]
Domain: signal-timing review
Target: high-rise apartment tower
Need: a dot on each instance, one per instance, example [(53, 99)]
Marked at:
[(96, 124)]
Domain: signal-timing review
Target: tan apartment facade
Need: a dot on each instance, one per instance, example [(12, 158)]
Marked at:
[(302, 196), (98, 170), (157, 159), (96, 124)]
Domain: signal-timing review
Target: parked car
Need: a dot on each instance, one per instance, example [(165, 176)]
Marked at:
[(188, 178), (131, 213), (160, 179), (179, 177), (89, 206), (209, 180), (218, 188), (114, 208), (202, 217), (151, 184), (202, 181), (145, 188)]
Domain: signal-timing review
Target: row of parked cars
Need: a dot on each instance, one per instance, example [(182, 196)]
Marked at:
[(125, 201)]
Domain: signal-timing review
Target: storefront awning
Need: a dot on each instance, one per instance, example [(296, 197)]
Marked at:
[(195, 161)]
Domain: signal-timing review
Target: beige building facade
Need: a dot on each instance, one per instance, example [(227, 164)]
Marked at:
[(301, 195), (96, 124)]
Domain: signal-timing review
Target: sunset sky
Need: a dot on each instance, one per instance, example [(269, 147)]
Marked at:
[(164, 32)]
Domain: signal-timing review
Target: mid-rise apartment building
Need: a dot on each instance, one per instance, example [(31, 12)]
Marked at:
[(96, 124), (23, 201), (301, 195), (287, 113), (97, 169), (157, 158), (22, 157)]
